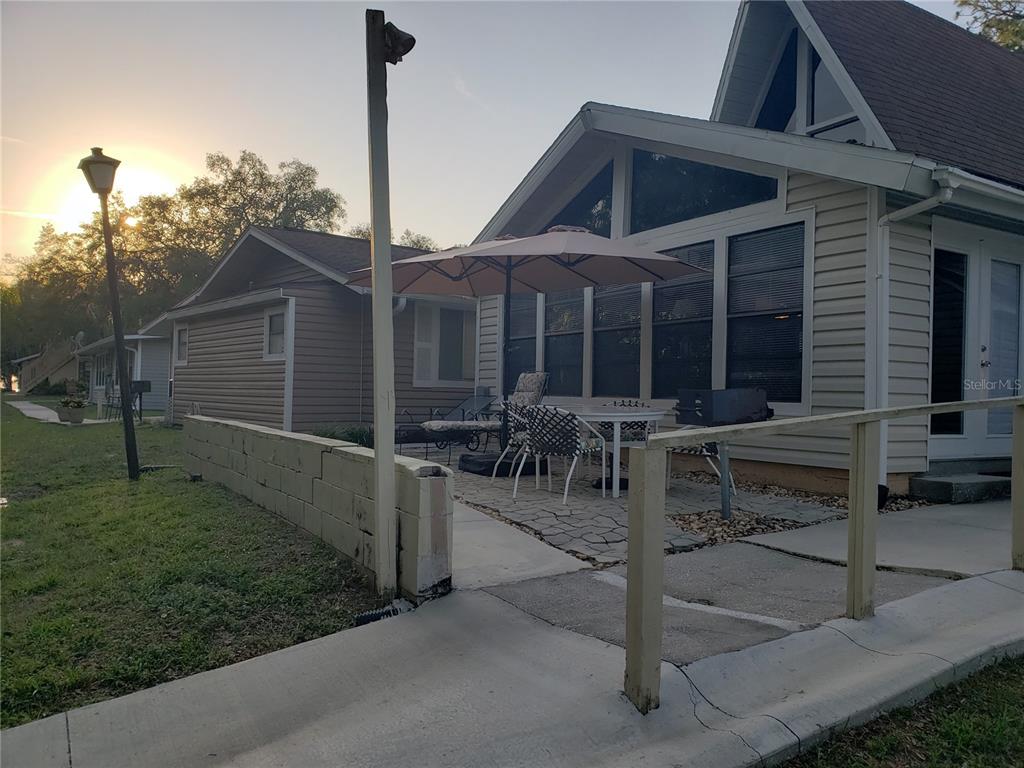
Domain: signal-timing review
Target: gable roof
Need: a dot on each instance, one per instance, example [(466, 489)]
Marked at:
[(938, 90), (333, 256), (340, 253)]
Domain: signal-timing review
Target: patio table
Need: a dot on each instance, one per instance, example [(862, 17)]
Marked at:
[(616, 415)]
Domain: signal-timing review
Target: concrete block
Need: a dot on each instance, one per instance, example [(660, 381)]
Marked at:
[(238, 461), (193, 465), (363, 516), (336, 501), (296, 484), (294, 510), (265, 447), (343, 469), (312, 520), (342, 536), (366, 551)]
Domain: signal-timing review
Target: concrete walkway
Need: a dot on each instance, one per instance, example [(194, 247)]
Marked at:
[(470, 680), (956, 539), (34, 410), (487, 552)]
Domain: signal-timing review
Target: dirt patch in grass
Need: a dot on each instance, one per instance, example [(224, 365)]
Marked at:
[(978, 723), (109, 586)]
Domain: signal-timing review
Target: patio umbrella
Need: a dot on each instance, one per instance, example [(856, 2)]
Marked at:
[(560, 259)]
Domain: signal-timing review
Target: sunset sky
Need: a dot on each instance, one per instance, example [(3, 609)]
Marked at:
[(486, 90)]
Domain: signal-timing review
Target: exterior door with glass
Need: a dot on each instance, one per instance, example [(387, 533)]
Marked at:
[(977, 337)]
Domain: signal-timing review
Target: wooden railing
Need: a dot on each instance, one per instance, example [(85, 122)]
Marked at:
[(645, 565)]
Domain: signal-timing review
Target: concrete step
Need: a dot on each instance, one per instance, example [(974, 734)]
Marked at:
[(959, 489)]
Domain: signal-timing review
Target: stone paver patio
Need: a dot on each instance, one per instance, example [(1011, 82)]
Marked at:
[(596, 528)]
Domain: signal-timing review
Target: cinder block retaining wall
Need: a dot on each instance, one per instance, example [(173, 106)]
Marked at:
[(327, 487)]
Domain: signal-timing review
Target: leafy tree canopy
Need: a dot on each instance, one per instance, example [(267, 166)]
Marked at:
[(408, 238), (165, 246), (1001, 21)]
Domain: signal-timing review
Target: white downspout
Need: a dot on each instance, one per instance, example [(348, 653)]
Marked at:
[(943, 196)]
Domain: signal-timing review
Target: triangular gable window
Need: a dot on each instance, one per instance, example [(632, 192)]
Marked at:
[(826, 100), (780, 101), (591, 208)]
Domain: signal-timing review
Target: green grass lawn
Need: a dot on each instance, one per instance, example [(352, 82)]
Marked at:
[(109, 586), (978, 723)]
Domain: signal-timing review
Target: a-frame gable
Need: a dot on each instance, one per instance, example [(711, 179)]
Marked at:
[(783, 35)]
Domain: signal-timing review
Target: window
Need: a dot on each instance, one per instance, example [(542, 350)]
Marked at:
[(681, 337), (273, 335), (181, 345), (948, 323), (592, 207), (780, 100), (827, 101), (666, 190), (765, 312), (444, 351), (848, 132), (617, 341), (522, 352), (563, 341)]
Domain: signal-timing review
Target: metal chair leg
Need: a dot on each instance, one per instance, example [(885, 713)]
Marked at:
[(501, 458), (604, 472), (549, 474), (536, 471), (568, 479), (515, 485)]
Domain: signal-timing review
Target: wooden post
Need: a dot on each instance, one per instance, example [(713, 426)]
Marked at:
[(863, 519), (1017, 490), (385, 551), (645, 573)]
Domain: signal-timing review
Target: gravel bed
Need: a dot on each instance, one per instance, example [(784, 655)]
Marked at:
[(715, 530), (895, 502)]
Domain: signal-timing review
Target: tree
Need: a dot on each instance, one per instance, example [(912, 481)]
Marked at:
[(1001, 21), (163, 256), (409, 238)]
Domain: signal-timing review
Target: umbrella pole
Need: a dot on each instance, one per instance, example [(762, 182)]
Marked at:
[(506, 333)]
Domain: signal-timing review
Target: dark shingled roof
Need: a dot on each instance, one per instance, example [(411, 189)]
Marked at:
[(338, 252), (938, 90)]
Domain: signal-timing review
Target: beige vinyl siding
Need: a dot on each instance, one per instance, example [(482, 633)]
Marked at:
[(910, 278), (153, 365), (226, 375), (418, 400), (489, 341), (838, 320)]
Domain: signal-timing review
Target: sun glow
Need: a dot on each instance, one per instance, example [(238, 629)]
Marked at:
[(65, 193)]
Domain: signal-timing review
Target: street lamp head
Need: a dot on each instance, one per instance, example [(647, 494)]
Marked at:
[(99, 171), (396, 43)]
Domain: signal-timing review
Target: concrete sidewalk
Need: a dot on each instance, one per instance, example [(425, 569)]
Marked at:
[(948, 540), (470, 680), (34, 410)]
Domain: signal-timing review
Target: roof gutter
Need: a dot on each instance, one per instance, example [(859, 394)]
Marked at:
[(943, 196)]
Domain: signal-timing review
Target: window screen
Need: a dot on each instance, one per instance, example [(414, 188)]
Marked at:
[(681, 338), (666, 190), (275, 334), (616, 341), (563, 341), (765, 312), (522, 350)]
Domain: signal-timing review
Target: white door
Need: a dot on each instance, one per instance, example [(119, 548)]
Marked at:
[(977, 336)]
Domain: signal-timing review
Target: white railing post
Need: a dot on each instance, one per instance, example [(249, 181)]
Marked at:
[(1017, 490), (863, 519), (645, 573)]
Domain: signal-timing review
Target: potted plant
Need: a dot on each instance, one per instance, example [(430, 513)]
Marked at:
[(74, 407)]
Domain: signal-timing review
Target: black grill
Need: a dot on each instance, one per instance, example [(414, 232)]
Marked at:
[(720, 407)]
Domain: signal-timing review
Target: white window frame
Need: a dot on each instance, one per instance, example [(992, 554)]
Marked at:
[(177, 360), (267, 354), (434, 345)]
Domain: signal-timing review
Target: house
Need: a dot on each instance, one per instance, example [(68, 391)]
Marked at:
[(858, 201), (54, 365), (148, 360), (277, 337)]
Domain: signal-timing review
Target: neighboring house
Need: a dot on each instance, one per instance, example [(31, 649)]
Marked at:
[(858, 202), (55, 364), (276, 336), (148, 360)]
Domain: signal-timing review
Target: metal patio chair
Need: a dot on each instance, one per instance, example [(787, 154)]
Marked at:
[(552, 432)]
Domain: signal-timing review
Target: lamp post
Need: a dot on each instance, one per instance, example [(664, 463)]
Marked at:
[(99, 172), (385, 44)]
